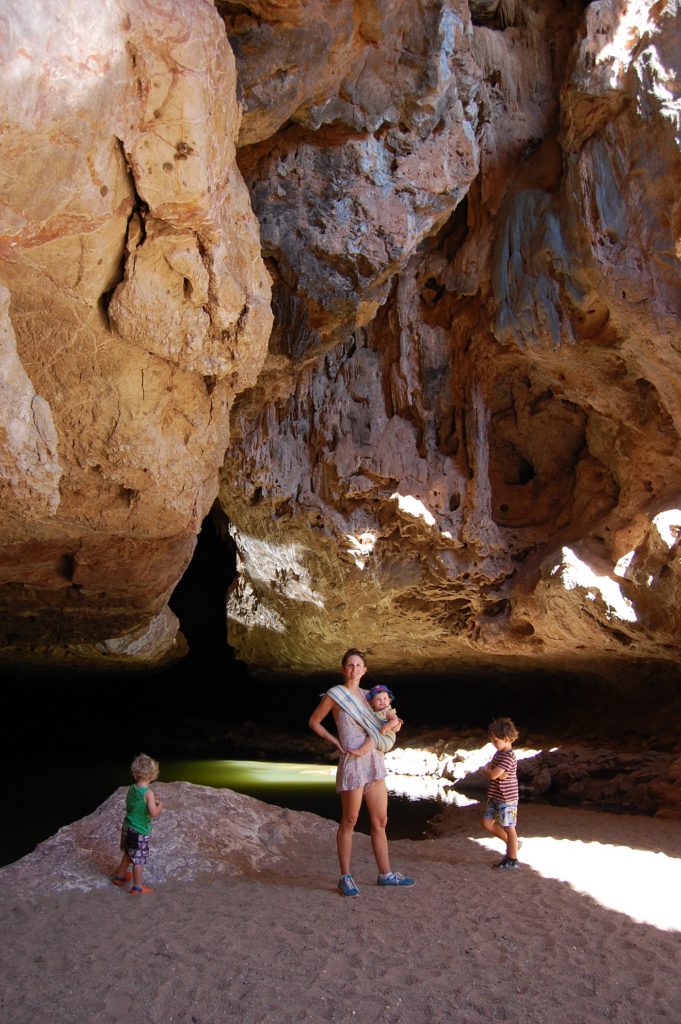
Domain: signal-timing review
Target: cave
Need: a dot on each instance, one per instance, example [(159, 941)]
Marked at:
[(328, 327)]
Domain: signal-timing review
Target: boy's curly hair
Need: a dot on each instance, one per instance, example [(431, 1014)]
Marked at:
[(144, 767), (503, 729)]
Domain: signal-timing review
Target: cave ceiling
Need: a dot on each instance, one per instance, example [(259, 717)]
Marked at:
[(396, 282)]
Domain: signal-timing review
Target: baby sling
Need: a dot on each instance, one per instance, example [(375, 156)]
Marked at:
[(355, 704)]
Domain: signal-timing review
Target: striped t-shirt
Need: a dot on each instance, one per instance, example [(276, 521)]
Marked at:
[(504, 789)]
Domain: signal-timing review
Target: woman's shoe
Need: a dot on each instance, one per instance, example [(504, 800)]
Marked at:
[(395, 878), (347, 887)]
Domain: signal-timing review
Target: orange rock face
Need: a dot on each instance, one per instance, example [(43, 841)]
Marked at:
[(139, 304), (461, 444)]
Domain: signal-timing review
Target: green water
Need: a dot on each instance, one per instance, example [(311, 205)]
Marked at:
[(68, 794)]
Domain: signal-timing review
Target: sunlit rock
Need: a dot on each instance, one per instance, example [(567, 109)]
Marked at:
[(29, 463), (139, 302), (202, 831)]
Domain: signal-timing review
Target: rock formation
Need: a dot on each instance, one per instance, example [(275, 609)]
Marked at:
[(203, 831), (461, 445), (140, 307), (484, 469)]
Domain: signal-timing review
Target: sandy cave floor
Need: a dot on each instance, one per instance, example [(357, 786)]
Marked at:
[(467, 944)]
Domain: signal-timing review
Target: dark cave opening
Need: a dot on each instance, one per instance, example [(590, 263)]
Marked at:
[(200, 598)]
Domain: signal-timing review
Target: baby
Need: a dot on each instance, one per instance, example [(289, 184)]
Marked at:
[(380, 698)]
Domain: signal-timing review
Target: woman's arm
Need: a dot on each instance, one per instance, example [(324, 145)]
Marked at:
[(315, 723), (364, 749)]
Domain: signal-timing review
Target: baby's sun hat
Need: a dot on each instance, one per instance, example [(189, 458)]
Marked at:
[(379, 689)]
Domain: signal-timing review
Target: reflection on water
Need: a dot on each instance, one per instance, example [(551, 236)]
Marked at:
[(300, 787), (250, 776), (309, 787)]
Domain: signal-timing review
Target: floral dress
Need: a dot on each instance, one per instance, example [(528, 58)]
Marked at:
[(354, 772)]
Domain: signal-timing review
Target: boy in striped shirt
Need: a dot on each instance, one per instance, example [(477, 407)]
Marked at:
[(501, 814)]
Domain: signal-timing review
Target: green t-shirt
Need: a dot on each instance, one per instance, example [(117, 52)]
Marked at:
[(137, 814)]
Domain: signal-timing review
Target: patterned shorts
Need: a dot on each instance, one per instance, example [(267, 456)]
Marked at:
[(505, 814), (135, 845)]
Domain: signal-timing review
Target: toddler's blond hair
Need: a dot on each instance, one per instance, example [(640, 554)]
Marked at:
[(144, 767)]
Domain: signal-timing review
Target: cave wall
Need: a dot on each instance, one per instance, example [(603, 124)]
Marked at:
[(488, 467), (135, 306), (401, 279)]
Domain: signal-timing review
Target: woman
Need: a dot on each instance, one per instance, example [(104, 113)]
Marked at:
[(360, 775)]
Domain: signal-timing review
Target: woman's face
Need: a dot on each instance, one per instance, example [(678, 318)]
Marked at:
[(353, 669)]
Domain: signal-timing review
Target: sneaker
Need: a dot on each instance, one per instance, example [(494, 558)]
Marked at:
[(509, 864), (395, 878), (120, 880), (347, 887), (140, 890), (501, 863)]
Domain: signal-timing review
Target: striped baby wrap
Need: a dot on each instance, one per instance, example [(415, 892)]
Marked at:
[(357, 706)]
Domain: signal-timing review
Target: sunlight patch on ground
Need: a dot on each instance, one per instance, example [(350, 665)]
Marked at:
[(576, 573), (644, 885)]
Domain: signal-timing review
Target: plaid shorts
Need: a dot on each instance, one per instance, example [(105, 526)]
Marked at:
[(505, 814), (135, 845)]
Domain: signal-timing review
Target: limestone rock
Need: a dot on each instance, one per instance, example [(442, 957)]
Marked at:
[(202, 831), (29, 465), (459, 444), (139, 302), (344, 200), (466, 478)]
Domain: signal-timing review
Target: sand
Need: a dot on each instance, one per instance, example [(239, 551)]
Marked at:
[(274, 943)]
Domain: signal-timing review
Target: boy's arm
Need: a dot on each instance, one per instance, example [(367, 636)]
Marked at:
[(154, 805), (494, 770)]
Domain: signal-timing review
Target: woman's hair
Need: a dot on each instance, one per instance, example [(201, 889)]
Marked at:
[(352, 651), (503, 729), (144, 767)]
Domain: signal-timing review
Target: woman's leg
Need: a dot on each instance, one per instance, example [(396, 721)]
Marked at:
[(351, 801), (376, 797)]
